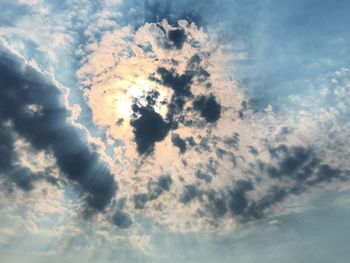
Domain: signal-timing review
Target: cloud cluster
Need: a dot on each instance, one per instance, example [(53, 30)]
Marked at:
[(162, 114), (164, 92)]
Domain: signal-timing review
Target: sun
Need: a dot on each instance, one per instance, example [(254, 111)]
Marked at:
[(124, 108), (133, 93), (137, 92)]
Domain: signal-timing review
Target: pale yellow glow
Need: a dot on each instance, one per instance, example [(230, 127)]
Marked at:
[(139, 88), (136, 91), (124, 107)]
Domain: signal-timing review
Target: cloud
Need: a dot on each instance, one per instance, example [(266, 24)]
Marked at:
[(121, 219), (179, 142), (238, 201), (203, 176), (155, 190), (181, 84), (140, 200), (50, 130), (204, 120), (6, 149), (164, 182), (177, 37), (176, 110), (297, 170), (228, 162), (208, 107), (190, 193), (148, 128)]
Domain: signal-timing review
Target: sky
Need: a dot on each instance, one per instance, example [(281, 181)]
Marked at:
[(174, 131)]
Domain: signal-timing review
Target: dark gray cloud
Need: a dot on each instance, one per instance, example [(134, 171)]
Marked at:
[(253, 150), (23, 178), (220, 153), (181, 84), (203, 176), (140, 200), (149, 128), (302, 165), (232, 141), (256, 208), (155, 189), (238, 201), (299, 164), (217, 205), (121, 219), (328, 173), (49, 131), (194, 66), (165, 182), (177, 37), (179, 143), (190, 193), (6, 149), (208, 107)]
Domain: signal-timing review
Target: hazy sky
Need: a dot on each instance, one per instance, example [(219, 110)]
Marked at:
[(174, 131)]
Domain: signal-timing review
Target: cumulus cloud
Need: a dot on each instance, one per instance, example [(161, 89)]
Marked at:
[(138, 108), (184, 110)]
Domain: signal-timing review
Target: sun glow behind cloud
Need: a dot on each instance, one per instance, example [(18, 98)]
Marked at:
[(114, 90), (174, 103), (206, 150)]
